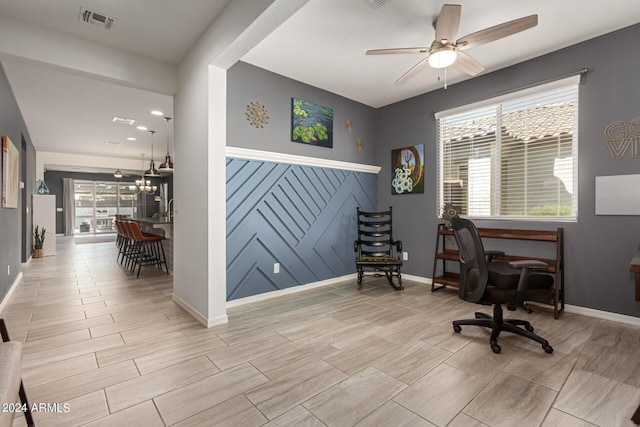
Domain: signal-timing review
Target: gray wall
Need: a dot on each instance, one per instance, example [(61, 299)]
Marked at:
[(598, 248), (15, 224), (247, 84)]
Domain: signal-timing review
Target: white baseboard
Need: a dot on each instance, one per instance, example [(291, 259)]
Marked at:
[(590, 312), (27, 262), (220, 320), (419, 279), (291, 290), (599, 314), (197, 315), (12, 288)]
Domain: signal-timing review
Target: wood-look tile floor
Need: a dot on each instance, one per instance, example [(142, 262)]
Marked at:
[(113, 350)]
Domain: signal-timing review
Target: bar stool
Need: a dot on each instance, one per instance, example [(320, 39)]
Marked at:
[(129, 246), (148, 249), (122, 241)]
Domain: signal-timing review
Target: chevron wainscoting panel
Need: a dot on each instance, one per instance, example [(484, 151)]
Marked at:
[(302, 217)]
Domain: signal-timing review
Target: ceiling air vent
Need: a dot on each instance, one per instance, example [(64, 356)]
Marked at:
[(123, 120), (376, 3), (91, 17)]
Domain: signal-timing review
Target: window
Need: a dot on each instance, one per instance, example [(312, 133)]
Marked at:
[(512, 157), (98, 203)]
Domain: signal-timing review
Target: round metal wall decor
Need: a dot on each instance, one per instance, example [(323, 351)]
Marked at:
[(257, 114)]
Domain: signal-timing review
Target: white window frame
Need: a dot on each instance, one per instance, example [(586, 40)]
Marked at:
[(496, 102)]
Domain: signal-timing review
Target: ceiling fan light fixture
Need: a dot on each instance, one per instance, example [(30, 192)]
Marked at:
[(442, 57)]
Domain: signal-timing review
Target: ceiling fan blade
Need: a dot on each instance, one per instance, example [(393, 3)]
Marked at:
[(448, 22), (399, 50), (497, 32), (467, 64), (412, 71)]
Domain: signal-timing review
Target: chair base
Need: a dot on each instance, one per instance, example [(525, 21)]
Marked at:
[(387, 273), (497, 324), (636, 416)]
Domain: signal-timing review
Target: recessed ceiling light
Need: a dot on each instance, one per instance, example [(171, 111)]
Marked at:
[(130, 138), (157, 113), (141, 127), (123, 120)]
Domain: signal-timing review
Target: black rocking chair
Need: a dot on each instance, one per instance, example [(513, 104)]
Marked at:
[(376, 251)]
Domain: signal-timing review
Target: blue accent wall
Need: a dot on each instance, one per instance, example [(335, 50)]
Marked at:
[(302, 217)]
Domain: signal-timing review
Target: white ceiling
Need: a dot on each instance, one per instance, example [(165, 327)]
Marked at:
[(74, 113), (323, 45), (159, 29), (70, 111)]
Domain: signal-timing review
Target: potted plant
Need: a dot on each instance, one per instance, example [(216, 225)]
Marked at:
[(38, 241)]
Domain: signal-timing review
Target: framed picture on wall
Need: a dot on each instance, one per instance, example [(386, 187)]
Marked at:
[(311, 123), (10, 174), (407, 170)]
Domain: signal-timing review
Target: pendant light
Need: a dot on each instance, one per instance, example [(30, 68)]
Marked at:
[(152, 171), (142, 185), (167, 165)]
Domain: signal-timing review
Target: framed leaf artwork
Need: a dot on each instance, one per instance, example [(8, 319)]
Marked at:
[(311, 123)]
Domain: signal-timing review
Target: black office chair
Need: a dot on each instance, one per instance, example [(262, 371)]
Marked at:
[(486, 281), (375, 248)]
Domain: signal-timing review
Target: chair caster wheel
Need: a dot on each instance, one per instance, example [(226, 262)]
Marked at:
[(495, 348), (528, 328), (547, 348), (457, 329), (401, 288), (358, 287)]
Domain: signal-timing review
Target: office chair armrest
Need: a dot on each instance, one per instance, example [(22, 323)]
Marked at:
[(490, 255), (525, 266), (528, 263)]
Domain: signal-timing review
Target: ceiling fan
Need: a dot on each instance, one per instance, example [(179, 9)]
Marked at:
[(444, 51)]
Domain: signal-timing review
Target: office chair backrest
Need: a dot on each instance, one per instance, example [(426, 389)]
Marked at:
[(474, 273)]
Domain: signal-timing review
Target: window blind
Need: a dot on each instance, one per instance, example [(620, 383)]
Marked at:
[(514, 158)]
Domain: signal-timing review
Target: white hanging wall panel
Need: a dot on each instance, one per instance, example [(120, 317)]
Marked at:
[(618, 195)]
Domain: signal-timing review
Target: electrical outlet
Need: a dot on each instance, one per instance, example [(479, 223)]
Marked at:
[(276, 268), (405, 256)]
